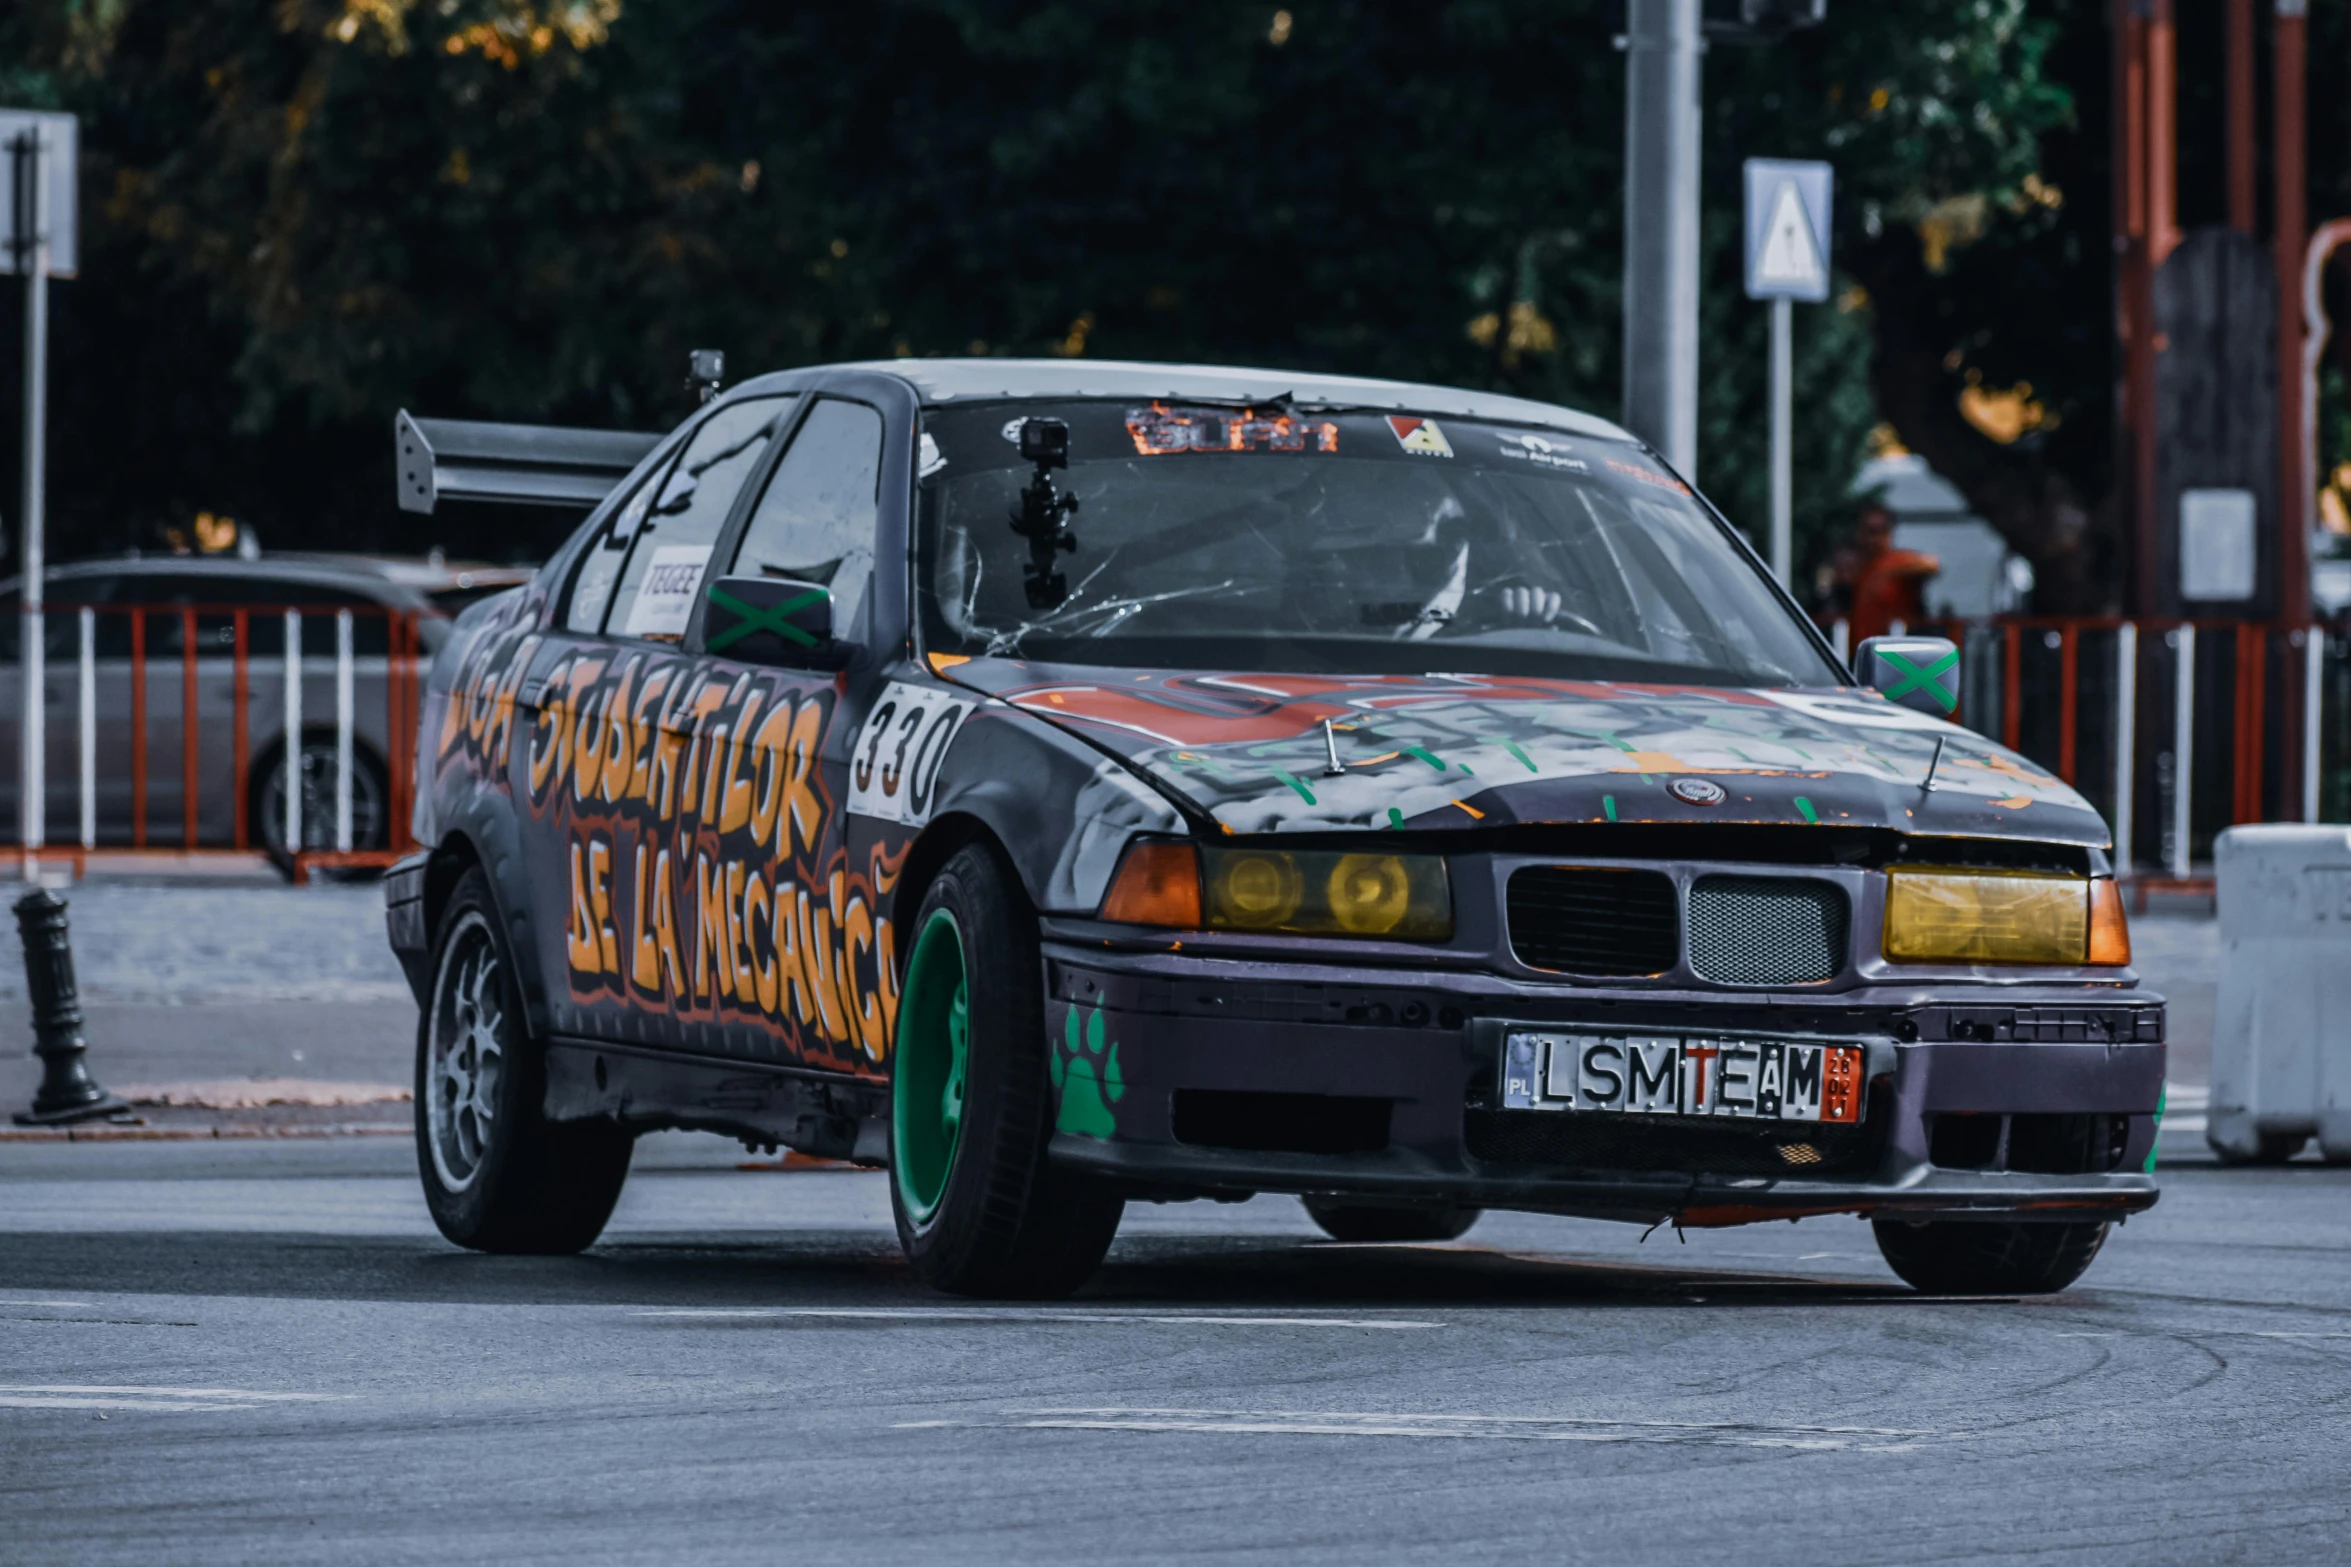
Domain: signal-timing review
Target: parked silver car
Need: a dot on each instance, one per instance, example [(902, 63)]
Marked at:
[(145, 607)]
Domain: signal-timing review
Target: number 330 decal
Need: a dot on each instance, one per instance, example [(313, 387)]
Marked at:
[(895, 766)]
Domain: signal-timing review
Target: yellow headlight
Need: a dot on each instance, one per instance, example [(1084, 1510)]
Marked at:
[(1964, 916), (1403, 897), (1369, 893), (1258, 891)]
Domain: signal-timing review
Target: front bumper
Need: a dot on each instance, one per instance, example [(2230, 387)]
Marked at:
[(405, 925), (1182, 1076)]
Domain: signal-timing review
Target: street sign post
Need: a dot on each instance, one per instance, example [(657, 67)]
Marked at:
[(1788, 208), (60, 143), (38, 244)]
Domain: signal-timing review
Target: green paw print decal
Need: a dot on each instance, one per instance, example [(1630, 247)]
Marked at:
[(1088, 1077)]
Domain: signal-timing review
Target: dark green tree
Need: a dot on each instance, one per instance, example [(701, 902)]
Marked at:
[(302, 216)]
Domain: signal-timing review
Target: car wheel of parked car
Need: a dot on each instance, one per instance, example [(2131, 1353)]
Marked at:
[(1418, 1221), (498, 1175), (1959, 1257), (980, 1209), (370, 799)]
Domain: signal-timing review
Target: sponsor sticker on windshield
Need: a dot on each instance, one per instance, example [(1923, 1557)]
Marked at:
[(1164, 429), (1421, 437), (665, 599), (1543, 451), (1650, 476)]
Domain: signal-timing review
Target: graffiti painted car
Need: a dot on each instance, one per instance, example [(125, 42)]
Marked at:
[(1071, 784)]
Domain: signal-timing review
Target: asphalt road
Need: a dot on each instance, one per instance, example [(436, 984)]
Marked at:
[(259, 1352)]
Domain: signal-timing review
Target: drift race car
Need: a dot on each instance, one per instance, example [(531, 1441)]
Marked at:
[(1074, 783)]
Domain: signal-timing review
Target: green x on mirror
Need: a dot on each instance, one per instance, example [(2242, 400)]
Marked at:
[(765, 620), (1914, 672)]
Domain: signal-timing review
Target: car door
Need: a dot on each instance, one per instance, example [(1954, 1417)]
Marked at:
[(264, 599), (141, 678), (610, 716), (786, 945)]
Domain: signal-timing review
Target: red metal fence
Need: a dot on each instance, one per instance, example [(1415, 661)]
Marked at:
[(229, 661), (2174, 728)]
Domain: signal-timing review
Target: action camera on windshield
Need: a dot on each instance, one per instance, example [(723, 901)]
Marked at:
[(1045, 442)]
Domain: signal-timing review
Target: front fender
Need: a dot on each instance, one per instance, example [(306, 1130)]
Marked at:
[(1062, 809)]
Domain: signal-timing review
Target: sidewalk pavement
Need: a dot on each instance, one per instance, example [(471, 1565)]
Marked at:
[(210, 1004)]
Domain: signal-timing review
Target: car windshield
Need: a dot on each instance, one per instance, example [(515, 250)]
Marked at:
[(1341, 542)]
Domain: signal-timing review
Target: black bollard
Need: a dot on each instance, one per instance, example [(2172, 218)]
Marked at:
[(67, 1093)]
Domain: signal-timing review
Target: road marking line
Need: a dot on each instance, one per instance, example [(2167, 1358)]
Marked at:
[(21, 1401), (1522, 1428), (44, 1388), (2227, 1333), (1531, 1420), (948, 1314), (83, 1304)]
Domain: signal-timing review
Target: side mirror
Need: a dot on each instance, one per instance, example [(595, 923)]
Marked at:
[(1915, 672), (765, 620)]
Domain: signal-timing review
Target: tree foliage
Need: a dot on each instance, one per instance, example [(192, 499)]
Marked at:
[(301, 216)]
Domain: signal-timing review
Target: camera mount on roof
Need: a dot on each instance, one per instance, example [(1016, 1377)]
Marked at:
[(1044, 512), (706, 370)]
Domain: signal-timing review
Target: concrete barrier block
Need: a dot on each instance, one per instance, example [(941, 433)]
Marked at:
[(2281, 1046)]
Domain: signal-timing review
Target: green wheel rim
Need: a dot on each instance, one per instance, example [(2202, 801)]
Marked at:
[(934, 1047)]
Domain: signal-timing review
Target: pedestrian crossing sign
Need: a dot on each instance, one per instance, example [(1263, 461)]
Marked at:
[(1788, 229)]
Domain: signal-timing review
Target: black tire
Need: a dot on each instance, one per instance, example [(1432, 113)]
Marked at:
[(1956, 1257), (371, 799), (498, 1175), (1343, 1220), (2275, 1148), (990, 1216)]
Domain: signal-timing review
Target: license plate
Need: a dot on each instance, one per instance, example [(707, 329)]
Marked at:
[(1666, 1074)]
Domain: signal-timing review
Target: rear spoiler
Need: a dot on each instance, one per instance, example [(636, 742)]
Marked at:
[(466, 460)]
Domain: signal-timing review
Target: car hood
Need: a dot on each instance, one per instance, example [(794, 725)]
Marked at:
[(1460, 751)]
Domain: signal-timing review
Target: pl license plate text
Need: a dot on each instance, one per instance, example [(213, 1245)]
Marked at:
[(1648, 1074)]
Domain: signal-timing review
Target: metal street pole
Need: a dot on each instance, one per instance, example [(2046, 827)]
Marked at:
[(1783, 443), (1662, 47), (2290, 219), (33, 262)]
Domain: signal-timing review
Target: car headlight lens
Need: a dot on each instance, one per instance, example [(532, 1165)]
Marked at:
[(1255, 891), (1967, 916), (1402, 897), (1369, 894)]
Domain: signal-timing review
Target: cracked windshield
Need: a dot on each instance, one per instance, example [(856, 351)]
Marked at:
[(1315, 540)]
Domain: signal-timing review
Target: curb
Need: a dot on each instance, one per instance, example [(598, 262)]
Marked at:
[(103, 1132)]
